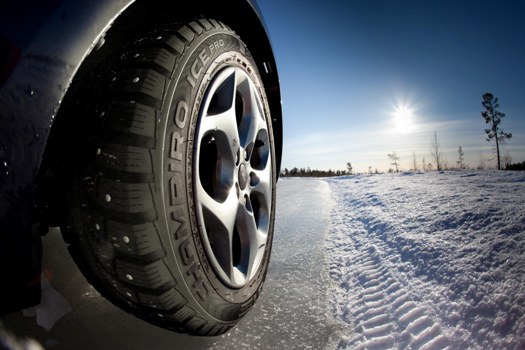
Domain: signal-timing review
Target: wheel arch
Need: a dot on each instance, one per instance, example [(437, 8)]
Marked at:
[(143, 15)]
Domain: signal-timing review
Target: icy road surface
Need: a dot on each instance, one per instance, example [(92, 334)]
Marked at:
[(429, 261), (293, 311)]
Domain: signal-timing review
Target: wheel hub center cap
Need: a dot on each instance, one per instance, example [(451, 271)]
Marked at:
[(243, 176)]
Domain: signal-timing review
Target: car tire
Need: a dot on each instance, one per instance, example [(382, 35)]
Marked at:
[(173, 203)]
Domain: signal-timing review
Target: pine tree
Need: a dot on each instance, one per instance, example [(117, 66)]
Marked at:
[(395, 160), (349, 168), (493, 117), (461, 158)]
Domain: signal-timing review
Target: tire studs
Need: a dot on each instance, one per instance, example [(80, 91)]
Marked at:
[(99, 151), (125, 239), (136, 79), (97, 227), (128, 294), (107, 198), (129, 277)]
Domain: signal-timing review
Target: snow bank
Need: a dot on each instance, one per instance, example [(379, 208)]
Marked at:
[(429, 260)]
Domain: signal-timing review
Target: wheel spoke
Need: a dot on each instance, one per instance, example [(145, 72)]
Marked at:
[(219, 115), (219, 220), (224, 213), (224, 123), (253, 118), (253, 242), (223, 127)]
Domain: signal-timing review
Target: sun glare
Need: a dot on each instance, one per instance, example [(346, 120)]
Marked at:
[(403, 122)]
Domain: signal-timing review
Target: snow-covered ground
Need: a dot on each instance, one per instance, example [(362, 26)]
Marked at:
[(428, 261)]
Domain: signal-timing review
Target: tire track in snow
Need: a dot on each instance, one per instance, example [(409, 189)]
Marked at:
[(384, 314), (372, 298)]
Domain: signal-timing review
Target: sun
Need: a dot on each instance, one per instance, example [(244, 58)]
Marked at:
[(403, 119)]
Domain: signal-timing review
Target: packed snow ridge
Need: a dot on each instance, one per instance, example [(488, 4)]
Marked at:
[(428, 260)]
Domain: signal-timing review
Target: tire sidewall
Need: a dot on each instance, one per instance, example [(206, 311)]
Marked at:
[(208, 55)]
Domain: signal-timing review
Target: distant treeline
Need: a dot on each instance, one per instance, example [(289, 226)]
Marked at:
[(516, 166), (307, 172)]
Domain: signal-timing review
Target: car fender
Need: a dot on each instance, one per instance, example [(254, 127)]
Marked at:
[(51, 51)]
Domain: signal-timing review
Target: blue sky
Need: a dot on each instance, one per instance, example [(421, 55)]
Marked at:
[(347, 66)]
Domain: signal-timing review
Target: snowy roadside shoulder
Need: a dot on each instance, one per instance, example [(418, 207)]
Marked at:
[(429, 261)]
